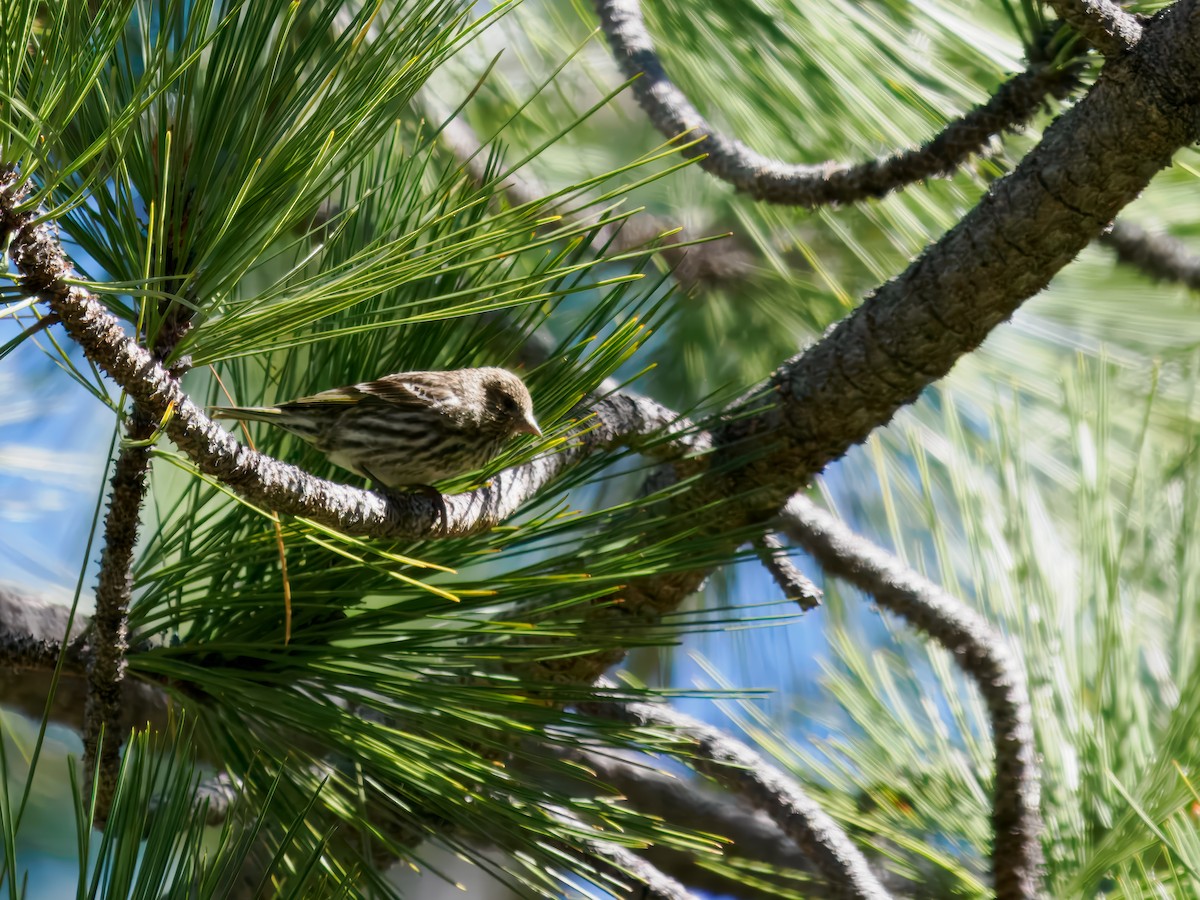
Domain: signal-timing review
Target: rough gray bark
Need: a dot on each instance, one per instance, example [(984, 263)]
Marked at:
[(31, 633), (815, 184), (1102, 23), (980, 651), (1157, 256), (764, 787)]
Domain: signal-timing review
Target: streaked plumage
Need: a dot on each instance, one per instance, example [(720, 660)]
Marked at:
[(409, 429)]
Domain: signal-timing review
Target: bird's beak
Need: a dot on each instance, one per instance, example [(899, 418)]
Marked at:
[(529, 426)]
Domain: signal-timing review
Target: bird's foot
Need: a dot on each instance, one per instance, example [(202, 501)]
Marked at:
[(439, 501), (428, 490)]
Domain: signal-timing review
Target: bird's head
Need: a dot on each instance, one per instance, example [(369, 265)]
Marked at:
[(508, 408)]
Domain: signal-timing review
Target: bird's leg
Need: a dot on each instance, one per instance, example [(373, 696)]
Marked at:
[(427, 489)]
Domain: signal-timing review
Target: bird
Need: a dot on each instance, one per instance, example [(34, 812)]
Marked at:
[(409, 429)]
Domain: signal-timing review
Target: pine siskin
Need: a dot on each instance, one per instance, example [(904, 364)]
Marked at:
[(409, 429)]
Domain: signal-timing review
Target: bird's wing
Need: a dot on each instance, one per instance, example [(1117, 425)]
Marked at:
[(348, 395), (420, 389), (416, 390)]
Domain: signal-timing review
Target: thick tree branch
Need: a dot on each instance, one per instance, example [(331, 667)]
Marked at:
[(31, 632), (1014, 104), (1102, 23), (979, 650), (1091, 162), (764, 787), (1158, 256)]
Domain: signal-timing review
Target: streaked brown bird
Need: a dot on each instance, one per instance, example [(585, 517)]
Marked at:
[(410, 429)]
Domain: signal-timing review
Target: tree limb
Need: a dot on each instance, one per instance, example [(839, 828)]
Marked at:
[(1158, 256), (764, 787), (32, 628), (980, 651), (752, 834), (1102, 23), (1014, 103), (110, 623), (794, 584), (1092, 161)]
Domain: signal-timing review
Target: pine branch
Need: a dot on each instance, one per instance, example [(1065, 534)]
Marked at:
[(102, 731), (1158, 256), (1091, 162), (764, 787), (32, 628), (753, 836), (904, 337), (1102, 23), (110, 624), (1013, 105), (616, 420), (794, 584), (623, 864), (980, 650)]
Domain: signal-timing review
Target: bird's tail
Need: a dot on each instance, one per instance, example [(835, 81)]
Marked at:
[(249, 413)]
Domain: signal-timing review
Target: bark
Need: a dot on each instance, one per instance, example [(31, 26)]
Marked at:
[(980, 651), (1102, 23), (1015, 103)]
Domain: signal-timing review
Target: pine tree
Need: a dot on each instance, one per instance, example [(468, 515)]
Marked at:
[(294, 682)]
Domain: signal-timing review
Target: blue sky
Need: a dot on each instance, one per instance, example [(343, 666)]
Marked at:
[(52, 437)]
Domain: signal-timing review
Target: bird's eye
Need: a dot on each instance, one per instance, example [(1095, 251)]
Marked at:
[(508, 404)]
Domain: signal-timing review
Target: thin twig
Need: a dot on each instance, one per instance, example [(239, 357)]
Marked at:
[(980, 650), (763, 786), (795, 584), (1014, 104)]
